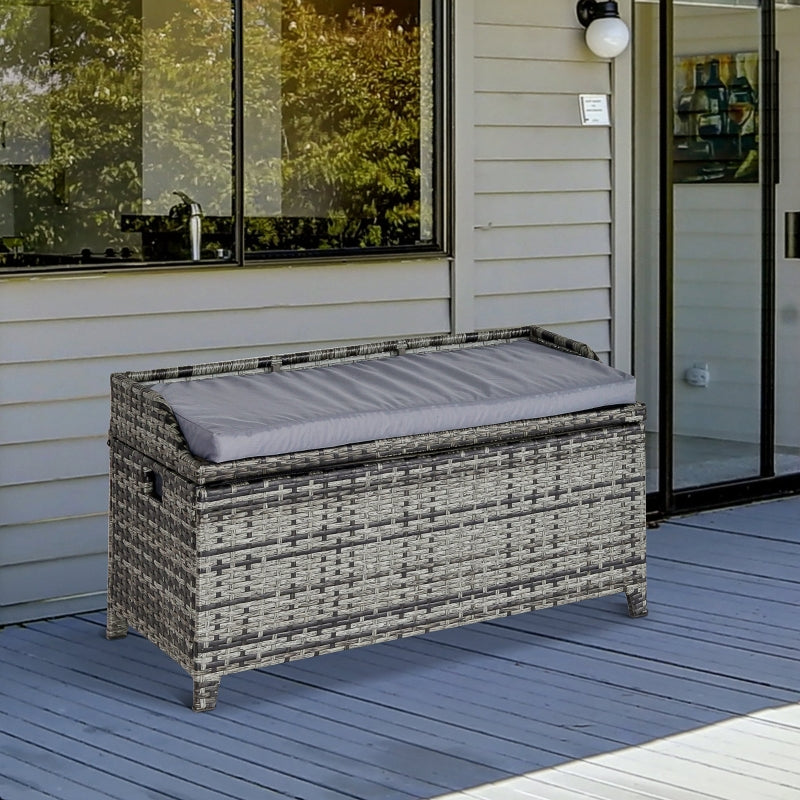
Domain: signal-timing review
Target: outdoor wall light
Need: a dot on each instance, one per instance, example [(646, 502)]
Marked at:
[(607, 35)]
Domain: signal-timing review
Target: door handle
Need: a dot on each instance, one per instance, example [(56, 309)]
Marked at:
[(791, 234)]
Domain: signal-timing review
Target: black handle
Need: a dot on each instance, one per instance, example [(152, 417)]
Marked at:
[(153, 485), (791, 234)]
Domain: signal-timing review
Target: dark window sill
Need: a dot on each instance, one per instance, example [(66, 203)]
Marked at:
[(74, 265)]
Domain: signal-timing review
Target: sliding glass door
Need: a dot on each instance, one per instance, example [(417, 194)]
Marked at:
[(717, 267), (717, 241)]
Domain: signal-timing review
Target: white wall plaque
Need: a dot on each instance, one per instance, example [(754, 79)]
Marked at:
[(594, 109)]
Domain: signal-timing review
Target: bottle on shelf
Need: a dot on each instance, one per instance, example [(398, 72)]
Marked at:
[(698, 103), (742, 107), (712, 121), (698, 149), (687, 118)]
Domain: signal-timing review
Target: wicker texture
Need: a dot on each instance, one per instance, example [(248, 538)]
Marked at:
[(368, 542), (143, 419)]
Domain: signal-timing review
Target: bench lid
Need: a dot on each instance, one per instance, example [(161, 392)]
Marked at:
[(232, 417)]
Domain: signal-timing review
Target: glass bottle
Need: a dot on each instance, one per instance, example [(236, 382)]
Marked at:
[(687, 122), (713, 121), (698, 103), (742, 106)]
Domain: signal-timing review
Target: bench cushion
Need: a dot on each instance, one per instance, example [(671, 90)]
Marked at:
[(243, 416)]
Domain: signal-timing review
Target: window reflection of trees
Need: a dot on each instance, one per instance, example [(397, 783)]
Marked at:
[(90, 114), (138, 104)]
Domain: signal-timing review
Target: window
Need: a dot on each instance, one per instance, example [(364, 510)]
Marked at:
[(184, 131)]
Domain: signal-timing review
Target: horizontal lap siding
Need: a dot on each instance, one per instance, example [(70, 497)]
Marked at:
[(542, 237), (541, 246), (61, 338)]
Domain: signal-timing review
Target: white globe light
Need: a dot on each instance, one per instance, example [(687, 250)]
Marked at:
[(607, 37)]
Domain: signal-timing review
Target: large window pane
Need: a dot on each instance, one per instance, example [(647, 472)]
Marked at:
[(118, 130), (110, 107), (187, 126), (717, 244), (339, 124)]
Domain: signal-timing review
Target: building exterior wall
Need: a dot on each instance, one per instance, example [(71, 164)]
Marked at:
[(534, 243), (542, 195)]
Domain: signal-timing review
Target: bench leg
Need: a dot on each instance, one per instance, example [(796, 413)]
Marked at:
[(116, 625), (205, 693), (637, 599)]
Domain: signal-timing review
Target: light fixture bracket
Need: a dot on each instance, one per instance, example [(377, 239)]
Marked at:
[(590, 10)]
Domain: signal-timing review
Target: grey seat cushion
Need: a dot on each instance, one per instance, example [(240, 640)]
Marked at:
[(242, 416)]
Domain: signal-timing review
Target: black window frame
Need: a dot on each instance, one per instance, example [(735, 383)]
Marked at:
[(442, 178)]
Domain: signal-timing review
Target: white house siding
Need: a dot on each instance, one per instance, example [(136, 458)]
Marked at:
[(536, 183), (542, 207), (61, 337)]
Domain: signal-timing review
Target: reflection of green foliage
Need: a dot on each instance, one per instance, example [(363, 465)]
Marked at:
[(92, 75), (340, 93), (351, 108), (349, 112), (187, 117)]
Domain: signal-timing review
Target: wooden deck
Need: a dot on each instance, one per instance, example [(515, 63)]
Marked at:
[(565, 704)]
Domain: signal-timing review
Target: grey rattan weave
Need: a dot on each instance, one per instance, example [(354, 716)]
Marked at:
[(232, 566)]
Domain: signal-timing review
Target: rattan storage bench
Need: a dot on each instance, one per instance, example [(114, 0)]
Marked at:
[(228, 565)]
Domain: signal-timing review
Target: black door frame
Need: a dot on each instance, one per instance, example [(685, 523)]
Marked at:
[(667, 500)]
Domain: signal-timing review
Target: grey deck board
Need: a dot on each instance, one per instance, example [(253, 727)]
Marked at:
[(589, 693), (165, 678), (165, 751), (199, 736), (82, 718), (728, 660), (85, 766), (34, 772), (519, 695), (641, 672), (725, 631), (686, 545), (769, 520)]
